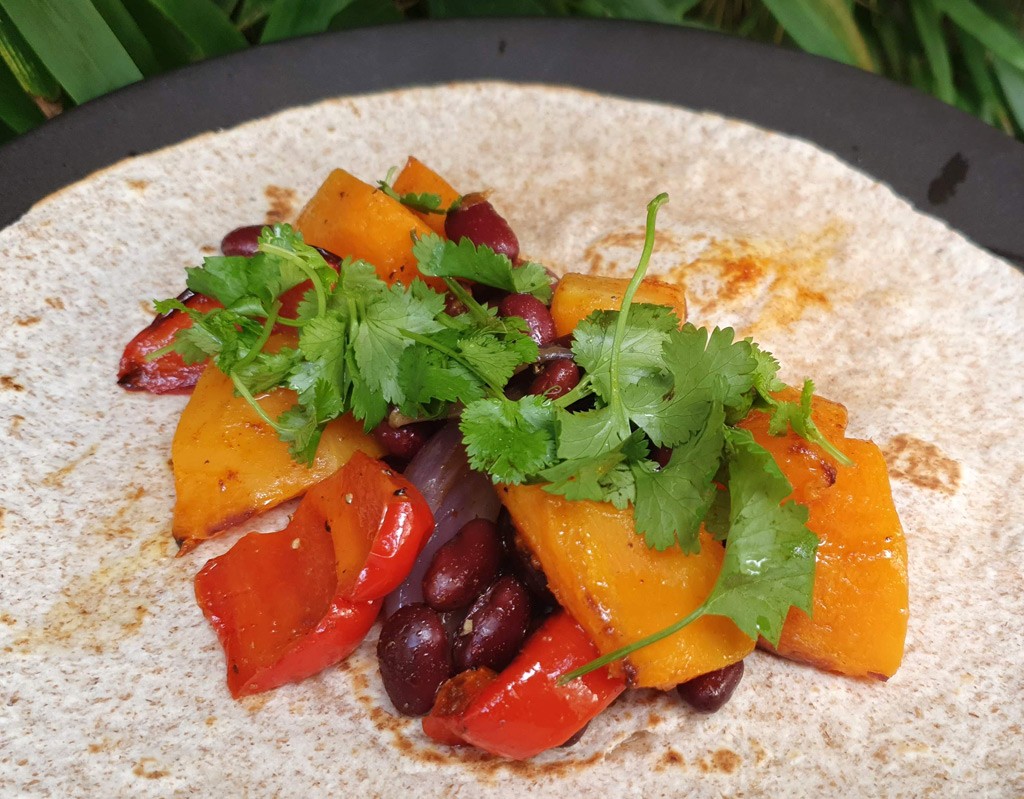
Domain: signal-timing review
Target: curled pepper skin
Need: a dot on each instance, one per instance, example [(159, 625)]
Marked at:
[(168, 374), (523, 711), (289, 604)]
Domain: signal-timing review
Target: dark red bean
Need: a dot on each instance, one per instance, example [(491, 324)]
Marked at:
[(661, 456), (495, 627), (463, 567), (482, 225), (404, 442), (414, 658), (575, 739), (539, 323), (242, 241), (453, 306), (330, 257), (556, 378), (711, 691)]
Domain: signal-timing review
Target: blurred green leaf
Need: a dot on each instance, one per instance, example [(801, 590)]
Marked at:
[(23, 63), (17, 111), (170, 45), (251, 12), (1002, 40), (129, 34), (929, 27), (989, 104), (825, 28), (300, 17), (203, 24), (670, 12), (75, 44), (496, 8), (361, 13), (1012, 81)]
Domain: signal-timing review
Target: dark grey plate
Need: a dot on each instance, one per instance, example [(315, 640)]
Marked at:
[(947, 163)]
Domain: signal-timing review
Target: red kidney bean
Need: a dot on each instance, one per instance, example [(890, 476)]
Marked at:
[(711, 691), (463, 566), (242, 241), (495, 627), (556, 378), (661, 456), (575, 739), (453, 306), (539, 323), (482, 225), (405, 441), (414, 658), (330, 257)]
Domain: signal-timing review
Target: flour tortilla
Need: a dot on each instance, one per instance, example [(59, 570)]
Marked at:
[(111, 682)]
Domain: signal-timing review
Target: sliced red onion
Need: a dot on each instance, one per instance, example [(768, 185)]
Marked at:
[(455, 493)]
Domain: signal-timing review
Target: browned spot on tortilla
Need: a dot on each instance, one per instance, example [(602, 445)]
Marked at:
[(670, 759), (56, 478), (759, 751), (8, 619), (723, 760), (144, 768), (97, 610), (137, 183), (254, 703), (147, 307), (211, 720), (772, 283), (207, 249), (282, 203), (9, 383), (17, 420), (28, 321), (3, 519), (921, 463), (653, 719), (55, 302)]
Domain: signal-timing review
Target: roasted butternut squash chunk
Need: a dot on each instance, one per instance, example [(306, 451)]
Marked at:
[(352, 218), (417, 178), (230, 465), (577, 296), (619, 590), (859, 619)]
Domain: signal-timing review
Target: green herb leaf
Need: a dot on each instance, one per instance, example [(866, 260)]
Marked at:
[(509, 440)]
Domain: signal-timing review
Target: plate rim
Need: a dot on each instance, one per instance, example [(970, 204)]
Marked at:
[(945, 162)]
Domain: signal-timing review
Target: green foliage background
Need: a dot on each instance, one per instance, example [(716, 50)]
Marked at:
[(57, 53)]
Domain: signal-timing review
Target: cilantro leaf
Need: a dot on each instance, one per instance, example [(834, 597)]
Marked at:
[(770, 553), (463, 259), (509, 440), (709, 365), (672, 502), (798, 416), (605, 478)]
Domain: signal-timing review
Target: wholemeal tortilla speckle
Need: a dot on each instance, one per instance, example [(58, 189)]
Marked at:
[(111, 681)]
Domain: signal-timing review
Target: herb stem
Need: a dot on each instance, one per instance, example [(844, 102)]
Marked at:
[(497, 391), (629, 649), (578, 392), (268, 328), (318, 285), (244, 392), (476, 309)]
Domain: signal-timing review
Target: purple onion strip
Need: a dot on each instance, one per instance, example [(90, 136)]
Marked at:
[(455, 493)]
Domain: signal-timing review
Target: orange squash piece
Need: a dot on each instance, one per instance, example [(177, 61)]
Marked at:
[(860, 606), (417, 178), (619, 590), (352, 218), (230, 465), (577, 296)]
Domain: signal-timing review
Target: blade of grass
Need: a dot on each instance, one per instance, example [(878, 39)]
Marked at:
[(669, 12), (25, 64), (975, 59), (203, 24), (1011, 80), (890, 40), (825, 28), (300, 17), (129, 34), (928, 22), (171, 47), (17, 111), (442, 9), (250, 12), (1000, 39), (75, 43)]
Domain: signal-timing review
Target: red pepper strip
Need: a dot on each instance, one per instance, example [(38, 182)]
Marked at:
[(522, 711), (275, 599), (168, 374)]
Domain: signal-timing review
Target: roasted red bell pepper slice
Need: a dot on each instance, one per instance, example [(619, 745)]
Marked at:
[(168, 374), (523, 711), (284, 605)]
